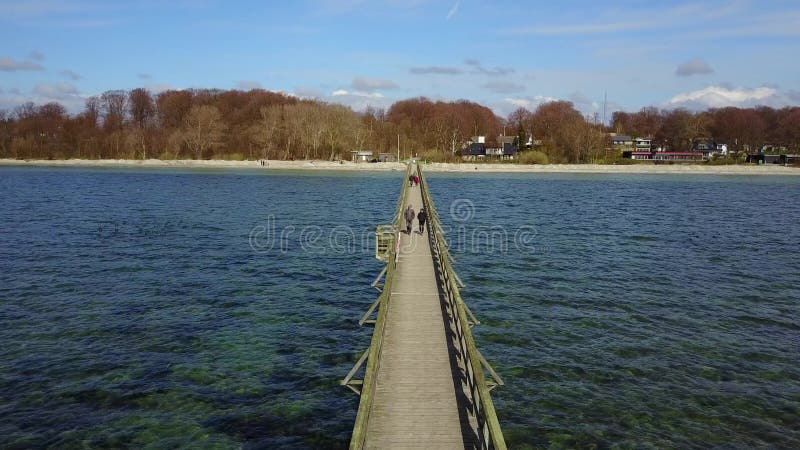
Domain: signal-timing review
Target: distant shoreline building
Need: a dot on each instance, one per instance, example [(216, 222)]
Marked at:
[(361, 156), (644, 149), (477, 149)]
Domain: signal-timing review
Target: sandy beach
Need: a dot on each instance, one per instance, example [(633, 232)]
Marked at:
[(431, 167)]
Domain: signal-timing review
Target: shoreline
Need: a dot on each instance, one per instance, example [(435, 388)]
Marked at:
[(430, 167)]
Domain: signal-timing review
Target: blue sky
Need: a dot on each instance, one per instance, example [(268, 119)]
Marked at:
[(503, 54)]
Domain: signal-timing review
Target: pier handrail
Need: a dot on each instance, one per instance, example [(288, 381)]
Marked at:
[(483, 418), (372, 354), (489, 432)]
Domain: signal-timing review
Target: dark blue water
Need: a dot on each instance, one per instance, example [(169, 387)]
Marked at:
[(214, 309), (642, 312), (134, 310)]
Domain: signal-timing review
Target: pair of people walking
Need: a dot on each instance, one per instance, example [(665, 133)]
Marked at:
[(413, 180), (422, 217)]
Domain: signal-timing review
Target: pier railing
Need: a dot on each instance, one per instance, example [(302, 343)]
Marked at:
[(482, 413), (366, 387)]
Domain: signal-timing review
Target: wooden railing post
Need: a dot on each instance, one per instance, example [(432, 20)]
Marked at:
[(359, 436), (489, 431), (481, 407)]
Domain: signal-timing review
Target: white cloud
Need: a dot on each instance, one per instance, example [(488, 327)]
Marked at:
[(453, 10), (35, 8), (64, 93), (358, 100), (583, 103), (10, 99), (370, 85), (693, 67), (56, 91), (529, 103), (71, 75), (503, 87), (496, 71), (156, 88), (757, 24), (10, 65), (480, 69), (338, 6), (436, 70), (722, 96), (587, 28), (308, 92), (509, 104), (647, 18), (247, 85), (343, 92)]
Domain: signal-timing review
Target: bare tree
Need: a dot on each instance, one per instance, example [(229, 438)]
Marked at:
[(203, 129), (113, 107), (91, 111), (5, 133), (142, 109), (263, 132)]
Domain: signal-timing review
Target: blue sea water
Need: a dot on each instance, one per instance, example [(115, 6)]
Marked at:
[(641, 312), (215, 309)]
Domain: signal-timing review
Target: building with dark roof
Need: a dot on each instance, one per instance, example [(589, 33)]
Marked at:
[(473, 151), (621, 140)]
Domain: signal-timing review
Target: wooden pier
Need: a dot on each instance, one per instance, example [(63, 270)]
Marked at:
[(424, 384)]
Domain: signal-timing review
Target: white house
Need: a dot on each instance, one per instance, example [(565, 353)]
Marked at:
[(361, 156)]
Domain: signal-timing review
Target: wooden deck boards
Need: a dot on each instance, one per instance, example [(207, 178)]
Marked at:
[(415, 404)]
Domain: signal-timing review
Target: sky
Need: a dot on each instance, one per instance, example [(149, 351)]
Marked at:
[(501, 53)]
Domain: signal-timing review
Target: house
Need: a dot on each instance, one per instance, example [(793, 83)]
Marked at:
[(773, 149), (771, 158), (700, 145), (642, 144), (361, 156), (387, 157), (638, 155), (508, 151), (477, 148), (494, 151), (705, 146), (678, 156), (664, 156), (620, 140), (531, 143), (473, 151), (766, 158)]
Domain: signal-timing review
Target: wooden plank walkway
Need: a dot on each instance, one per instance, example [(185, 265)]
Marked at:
[(415, 403)]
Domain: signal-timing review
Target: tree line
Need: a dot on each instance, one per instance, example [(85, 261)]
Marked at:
[(260, 124), (742, 129)]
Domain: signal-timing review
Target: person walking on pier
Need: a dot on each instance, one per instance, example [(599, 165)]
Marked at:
[(416, 180), (411, 180), (409, 216), (422, 216)]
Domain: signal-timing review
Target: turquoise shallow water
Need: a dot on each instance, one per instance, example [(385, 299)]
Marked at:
[(157, 308)]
